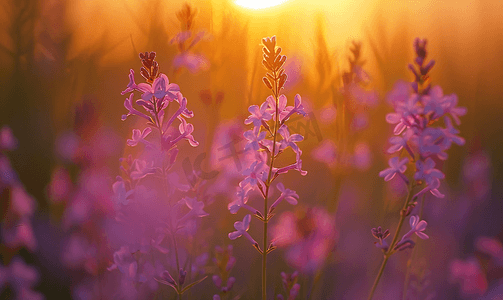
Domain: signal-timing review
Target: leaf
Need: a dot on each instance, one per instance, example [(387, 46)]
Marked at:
[(192, 284), (167, 283)]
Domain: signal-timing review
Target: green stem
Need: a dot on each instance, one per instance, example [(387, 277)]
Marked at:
[(411, 259), (390, 251), (315, 282), (376, 281), (268, 184), (176, 255)]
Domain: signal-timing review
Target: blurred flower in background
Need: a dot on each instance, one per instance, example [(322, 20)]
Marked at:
[(308, 237)]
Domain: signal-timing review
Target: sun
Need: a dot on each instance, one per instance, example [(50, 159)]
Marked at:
[(259, 4)]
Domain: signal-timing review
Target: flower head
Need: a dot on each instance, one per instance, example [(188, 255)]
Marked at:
[(416, 227), (397, 166), (242, 229)]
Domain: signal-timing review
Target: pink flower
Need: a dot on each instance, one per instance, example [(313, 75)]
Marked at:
[(60, 186), (326, 153), (258, 114), (242, 229), (121, 196), (286, 194), (417, 227), (449, 104), (426, 171), (289, 140), (241, 199), (159, 88), (309, 236), (254, 138), (142, 169), (470, 275), (297, 108), (193, 62), (131, 85), (128, 104), (22, 278), (397, 166), (490, 246), (7, 139), (139, 136)]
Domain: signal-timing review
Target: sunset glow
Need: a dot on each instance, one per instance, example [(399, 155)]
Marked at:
[(259, 4), (251, 149)]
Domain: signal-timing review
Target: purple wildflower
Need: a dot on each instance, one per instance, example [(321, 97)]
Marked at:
[(139, 136), (416, 227), (286, 194), (397, 166), (258, 114), (289, 140), (242, 229)]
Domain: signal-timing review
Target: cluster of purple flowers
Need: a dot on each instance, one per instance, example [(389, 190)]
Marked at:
[(224, 262), (269, 137), (151, 206), (290, 285), (264, 139), (186, 40), (17, 208), (419, 110)]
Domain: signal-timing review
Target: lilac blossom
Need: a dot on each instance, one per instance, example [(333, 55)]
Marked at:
[(254, 175), (141, 169), (272, 115), (22, 278), (139, 136), (254, 138), (121, 196), (160, 88), (426, 171), (286, 194), (128, 104), (196, 209), (259, 114), (381, 236), (397, 166), (416, 227), (146, 213), (326, 152), (289, 140), (449, 105), (125, 263), (309, 236), (295, 166), (470, 275), (417, 110), (242, 196), (16, 229), (290, 285), (242, 229), (60, 186), (490, 246), (224, 262), (186, 40), (400, 142), (7, 139), (193, 62)]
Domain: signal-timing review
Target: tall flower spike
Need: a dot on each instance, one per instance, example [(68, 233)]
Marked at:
[(150, 68), (273, 62)]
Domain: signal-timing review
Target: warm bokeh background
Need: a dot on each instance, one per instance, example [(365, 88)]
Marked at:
[(64, 64)]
